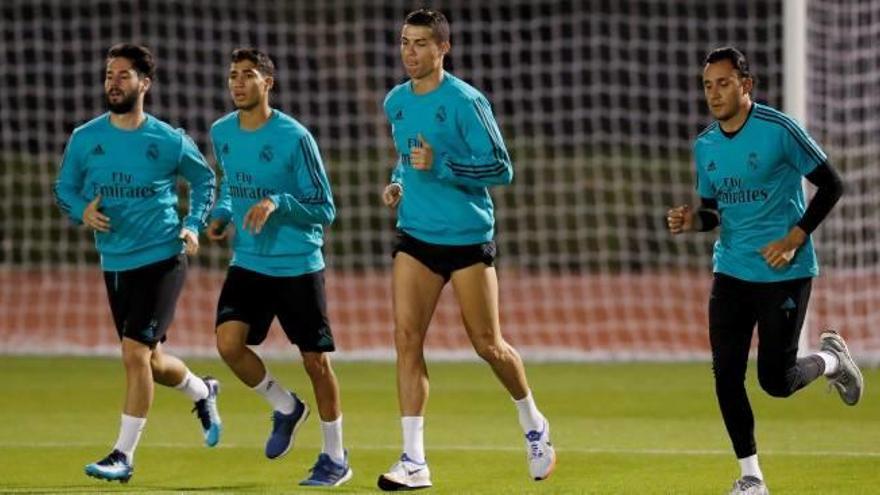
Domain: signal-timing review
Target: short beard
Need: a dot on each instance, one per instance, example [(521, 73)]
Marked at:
[(124, 106)]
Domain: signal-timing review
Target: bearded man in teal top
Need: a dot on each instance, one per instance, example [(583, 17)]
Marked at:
[(119, 177), (749, 166), (450, 152)]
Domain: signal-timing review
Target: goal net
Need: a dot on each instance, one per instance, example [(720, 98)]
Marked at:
[(599, 102)]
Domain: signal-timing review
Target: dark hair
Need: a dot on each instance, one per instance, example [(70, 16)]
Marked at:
[(139, 55), (734, 56), (264, 64), (430, 18)]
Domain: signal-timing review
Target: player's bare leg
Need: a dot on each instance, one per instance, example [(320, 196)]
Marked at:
[(138, 378), (416, 290), (170, 371), (232, 346), (119, 464), (476, 288), (289, 412), (332, 467)]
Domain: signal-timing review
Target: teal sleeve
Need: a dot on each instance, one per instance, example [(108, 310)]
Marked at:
[(801, 150), (313, 201), (69, 184), (397, 173), (223, 208), (703, 184), (193, 167), (488, 163)]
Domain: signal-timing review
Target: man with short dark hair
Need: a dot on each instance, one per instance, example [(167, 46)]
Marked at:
[(276, 195), (119, 178), (750, 164), (450, 153)]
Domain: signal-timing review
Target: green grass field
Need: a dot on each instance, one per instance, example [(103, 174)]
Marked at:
[(619, 429)]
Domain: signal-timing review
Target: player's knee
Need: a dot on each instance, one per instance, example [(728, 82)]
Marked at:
[(229, 349), (134, 359), (316, 364), (408, 340), (727, 371), (155, 361), (775, 384)]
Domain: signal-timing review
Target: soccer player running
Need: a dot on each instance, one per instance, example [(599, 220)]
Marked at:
[(750, 164), (450, 152), (119, 177), (275, 193)]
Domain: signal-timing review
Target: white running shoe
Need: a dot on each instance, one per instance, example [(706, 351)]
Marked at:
[(540, 453), (848, 380), (405, 474)]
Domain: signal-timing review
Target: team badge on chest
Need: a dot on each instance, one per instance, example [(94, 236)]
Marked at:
[(266, 154)]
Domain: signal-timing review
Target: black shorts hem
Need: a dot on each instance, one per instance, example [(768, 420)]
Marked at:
[(445, 260)]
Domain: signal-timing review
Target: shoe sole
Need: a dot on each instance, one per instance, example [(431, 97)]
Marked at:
[(845, 351), (388, 485), (345, 478), (296, 426), (212, 441), (549, 469), (341, 481), (214, 384), (100, 476)]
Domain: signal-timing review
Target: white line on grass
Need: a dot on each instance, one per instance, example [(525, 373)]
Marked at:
[(578, 450)]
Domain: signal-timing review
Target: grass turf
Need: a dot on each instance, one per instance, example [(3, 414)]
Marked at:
[(622, 428)]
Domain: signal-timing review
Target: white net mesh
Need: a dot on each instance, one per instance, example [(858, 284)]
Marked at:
[(598, 100), (843, 77)]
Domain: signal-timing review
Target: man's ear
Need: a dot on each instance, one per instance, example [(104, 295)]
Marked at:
[(748, 84), (148, 83)]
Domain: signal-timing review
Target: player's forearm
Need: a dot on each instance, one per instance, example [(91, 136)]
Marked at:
[(202, 193), (69, 201), (309, 211), (830, 189), (706, 217), (490, 169)]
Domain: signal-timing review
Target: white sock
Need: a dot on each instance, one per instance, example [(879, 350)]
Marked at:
[(331, 444), (413, 437), (193, 386), (832, 364), (130, 429), (530, 419), (278, 396), (749, 467)]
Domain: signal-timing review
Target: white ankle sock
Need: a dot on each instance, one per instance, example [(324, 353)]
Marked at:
[(331, 444), (193, 386), (278, 396), (832, 364), (749, 467), (413, 437), (530, 419), (130, 429)]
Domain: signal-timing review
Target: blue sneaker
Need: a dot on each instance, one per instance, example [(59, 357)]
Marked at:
[(206, 410), (114, 467), (284, 428), (325, 472)]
